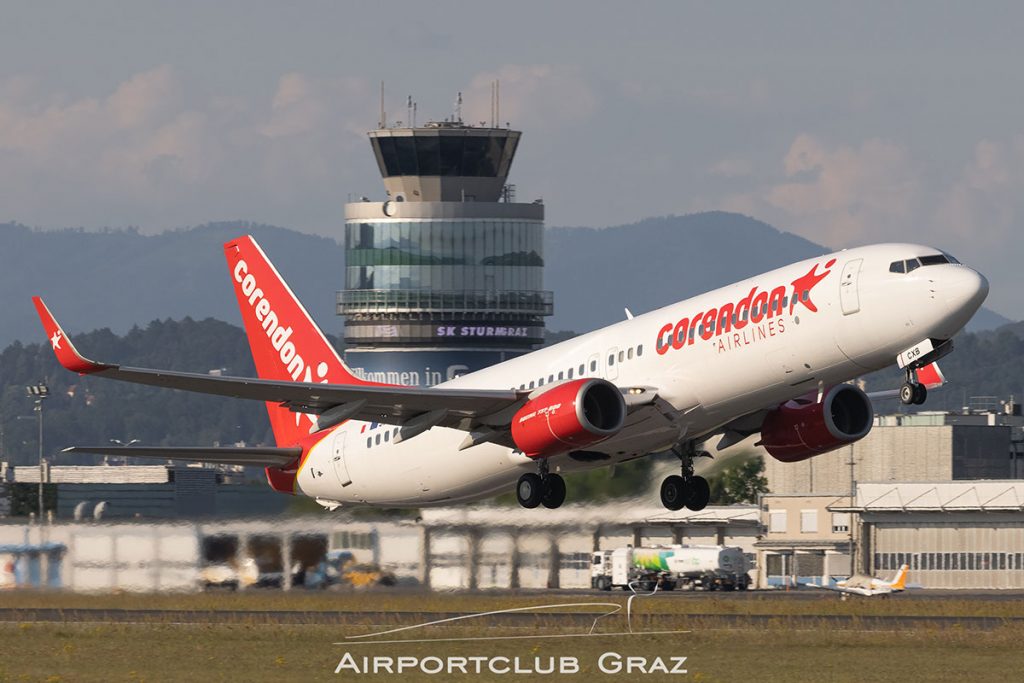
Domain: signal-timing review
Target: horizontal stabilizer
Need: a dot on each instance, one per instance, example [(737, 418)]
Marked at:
[(931, 376), (260, 457)]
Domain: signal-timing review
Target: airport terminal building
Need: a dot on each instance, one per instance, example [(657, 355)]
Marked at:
[(941, 492), (926, 446), (962, 534)]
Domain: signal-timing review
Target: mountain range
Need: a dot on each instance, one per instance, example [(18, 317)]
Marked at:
[(121, 278)]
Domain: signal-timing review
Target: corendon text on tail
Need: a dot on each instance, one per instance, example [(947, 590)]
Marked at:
[(770, 355)]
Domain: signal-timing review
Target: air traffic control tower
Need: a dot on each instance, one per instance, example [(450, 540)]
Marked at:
[(446, 276)]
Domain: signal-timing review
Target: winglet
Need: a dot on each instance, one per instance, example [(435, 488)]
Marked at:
[(65, 351)]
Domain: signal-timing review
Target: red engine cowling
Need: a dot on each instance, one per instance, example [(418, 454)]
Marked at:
[(802, 428), (569, 416)]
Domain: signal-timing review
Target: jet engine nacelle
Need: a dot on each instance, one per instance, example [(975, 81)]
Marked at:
[(802, 428), (569, 416)]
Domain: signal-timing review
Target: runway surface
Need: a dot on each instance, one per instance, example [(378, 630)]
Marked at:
[(546, 619)]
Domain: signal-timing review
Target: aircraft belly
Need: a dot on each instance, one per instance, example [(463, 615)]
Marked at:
[(430, 468)]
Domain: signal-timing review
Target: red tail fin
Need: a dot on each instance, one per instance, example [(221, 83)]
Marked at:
[(931, 376), (286, 344)]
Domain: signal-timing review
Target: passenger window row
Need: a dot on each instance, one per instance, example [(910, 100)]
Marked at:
[(384, 437), (581, 370), (625, 355)]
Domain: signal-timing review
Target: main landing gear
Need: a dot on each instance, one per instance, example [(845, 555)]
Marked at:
[(543, 488), (686, 490), (913, 392)]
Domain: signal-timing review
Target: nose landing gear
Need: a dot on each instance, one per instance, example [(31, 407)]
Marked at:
[(543, 488), (913, 392), (686, 489)]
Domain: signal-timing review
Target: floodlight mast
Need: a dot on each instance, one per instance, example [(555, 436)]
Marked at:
[(39, 392)]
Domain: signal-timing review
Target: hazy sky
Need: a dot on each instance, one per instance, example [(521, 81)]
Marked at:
[(845, 123)]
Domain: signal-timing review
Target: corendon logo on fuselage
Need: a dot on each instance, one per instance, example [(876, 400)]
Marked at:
[(295, 365), (728, 324)]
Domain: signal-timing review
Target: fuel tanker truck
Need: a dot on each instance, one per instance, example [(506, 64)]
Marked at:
[(708, 567)]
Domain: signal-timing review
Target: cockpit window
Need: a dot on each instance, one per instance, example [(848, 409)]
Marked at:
[(915, 263)]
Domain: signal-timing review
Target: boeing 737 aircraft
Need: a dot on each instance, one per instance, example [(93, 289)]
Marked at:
[(767, 355)]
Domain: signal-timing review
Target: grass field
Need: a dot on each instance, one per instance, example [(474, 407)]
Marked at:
[(267, 652)]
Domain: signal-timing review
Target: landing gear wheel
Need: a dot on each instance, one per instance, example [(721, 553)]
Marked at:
[(700, 493), (675, 492), (530, 490), (554, 491), (907, 393), (920, 394)]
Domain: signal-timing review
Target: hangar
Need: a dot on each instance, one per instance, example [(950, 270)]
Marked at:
[(953, 534), (965, 534)]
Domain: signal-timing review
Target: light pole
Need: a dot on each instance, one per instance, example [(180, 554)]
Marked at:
[(854, 559), (39, 393)]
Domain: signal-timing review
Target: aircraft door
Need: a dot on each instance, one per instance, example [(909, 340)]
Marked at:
[(338, 458), (849, 298), (611, 368)]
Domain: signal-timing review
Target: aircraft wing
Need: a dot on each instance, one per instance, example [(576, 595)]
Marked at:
[(849, 591), (459, 408), (260, 457)]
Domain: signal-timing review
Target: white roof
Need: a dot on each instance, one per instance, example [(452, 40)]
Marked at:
[(944, 496), (627, 513)]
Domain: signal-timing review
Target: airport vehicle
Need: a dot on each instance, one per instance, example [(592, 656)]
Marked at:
[(768, 355), (868, 586), (710, 567), (340, 568), (229, 575)]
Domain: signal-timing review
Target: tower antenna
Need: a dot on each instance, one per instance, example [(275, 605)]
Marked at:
[(383, 116), (458, 108), (497, 103)]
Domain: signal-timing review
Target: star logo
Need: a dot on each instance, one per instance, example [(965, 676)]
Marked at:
[(55, 340), (806, 283)]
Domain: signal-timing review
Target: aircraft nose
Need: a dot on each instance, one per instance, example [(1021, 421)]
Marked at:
[(965, 289)]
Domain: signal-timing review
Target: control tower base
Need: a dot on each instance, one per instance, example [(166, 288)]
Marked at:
[(422, 367)]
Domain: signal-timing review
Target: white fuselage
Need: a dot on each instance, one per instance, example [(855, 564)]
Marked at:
[(747, 362)]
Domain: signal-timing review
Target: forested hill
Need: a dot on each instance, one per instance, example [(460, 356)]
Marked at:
[(92, 410), (117, 279), (596, 273)]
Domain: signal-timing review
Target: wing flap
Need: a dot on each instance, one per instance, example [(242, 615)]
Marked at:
[(381, 403), (260, 457)]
